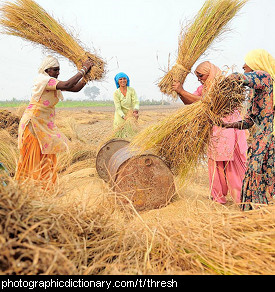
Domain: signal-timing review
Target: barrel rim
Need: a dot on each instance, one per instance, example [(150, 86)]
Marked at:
[(102, 148)]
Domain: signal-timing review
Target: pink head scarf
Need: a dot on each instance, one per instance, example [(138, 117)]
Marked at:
[(211, 70)]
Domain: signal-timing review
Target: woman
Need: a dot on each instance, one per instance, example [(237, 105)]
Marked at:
[(126, 107), (39, 139), (259, 179), (228, 147)]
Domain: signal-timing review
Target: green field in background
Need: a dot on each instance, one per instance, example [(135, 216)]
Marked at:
[(77, 103), (63, 104)]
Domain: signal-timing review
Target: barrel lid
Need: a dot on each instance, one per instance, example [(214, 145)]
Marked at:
[(104, 155), (142, 177)]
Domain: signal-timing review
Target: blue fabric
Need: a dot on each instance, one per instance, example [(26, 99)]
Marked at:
[(121, 75)]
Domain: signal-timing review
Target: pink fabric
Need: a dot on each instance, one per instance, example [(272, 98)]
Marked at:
[(226, 159), (227, 176), (207, 68), (222, 144), (199, 90)]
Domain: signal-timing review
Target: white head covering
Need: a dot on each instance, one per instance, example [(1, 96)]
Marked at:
[(48, 62), (43, 78)]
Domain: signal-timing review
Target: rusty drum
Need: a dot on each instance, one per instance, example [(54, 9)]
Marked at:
[(144, 179), (104, 155)]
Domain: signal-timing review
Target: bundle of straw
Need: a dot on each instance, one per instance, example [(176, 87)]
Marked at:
[(210, 23), (129, 128), (182, 138), (8, 151), (27, 20)]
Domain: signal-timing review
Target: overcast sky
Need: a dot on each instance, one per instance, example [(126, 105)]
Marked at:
[(136, 37)]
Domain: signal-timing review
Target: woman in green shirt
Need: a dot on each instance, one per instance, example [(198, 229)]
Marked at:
[(126, 107)]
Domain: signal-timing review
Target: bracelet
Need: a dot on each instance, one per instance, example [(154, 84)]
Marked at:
[(82, 72), (86, 69)]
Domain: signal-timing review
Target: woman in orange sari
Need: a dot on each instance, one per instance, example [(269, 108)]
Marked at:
[(227, 149), (39, 139)]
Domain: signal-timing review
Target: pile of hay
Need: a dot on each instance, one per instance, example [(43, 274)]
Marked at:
[(129, 128), (8, 151), (40, 236), (27, 20), (79, 152), (210, 22), (9, 122), (65, 236), (182, 139)]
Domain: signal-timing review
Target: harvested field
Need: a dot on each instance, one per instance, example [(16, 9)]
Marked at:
[(83, 229)]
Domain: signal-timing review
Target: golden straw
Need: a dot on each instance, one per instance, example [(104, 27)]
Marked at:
[(210, 23), (27, 20), (182, 138)]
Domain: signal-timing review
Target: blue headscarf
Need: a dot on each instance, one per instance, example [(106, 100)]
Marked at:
[(122, 75)]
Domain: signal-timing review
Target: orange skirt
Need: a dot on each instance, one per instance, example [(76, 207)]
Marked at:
[(33, 164)]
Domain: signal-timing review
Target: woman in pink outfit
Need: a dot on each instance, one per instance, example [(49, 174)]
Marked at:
[(227, 149)]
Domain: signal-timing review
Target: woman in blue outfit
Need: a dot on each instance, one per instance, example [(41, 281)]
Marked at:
[(259, 181)]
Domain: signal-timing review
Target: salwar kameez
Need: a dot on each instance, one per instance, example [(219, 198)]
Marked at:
[(124, 106), (227, 156), (259, 181), (39, 139), (227, 177)]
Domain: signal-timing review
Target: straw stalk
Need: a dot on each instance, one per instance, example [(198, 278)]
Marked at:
[(182, 139), (27, 20), (211, 22)]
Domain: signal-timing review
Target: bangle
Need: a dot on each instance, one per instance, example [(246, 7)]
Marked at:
[(86, 69), (82, 72)]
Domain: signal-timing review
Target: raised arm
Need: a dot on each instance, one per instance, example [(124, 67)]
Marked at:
[(74, 84), (185, 96)]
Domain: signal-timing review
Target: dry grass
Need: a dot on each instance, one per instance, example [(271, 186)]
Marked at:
[(210, 23), (8, 151), (82, 229), (79, 151), (27, 20), (76, 236), (129, 128), (182, 138)]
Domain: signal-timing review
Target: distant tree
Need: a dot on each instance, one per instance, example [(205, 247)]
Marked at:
[(92, 92)]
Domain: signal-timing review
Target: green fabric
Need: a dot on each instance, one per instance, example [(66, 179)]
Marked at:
[(123, 104)]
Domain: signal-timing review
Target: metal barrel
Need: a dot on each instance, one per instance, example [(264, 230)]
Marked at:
[(104, 155), (144, 179)]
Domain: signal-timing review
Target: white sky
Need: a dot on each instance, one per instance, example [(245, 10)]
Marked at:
[(136, 37)]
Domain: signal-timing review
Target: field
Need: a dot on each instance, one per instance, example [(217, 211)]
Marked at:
[(82, 227), (64, 104)]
